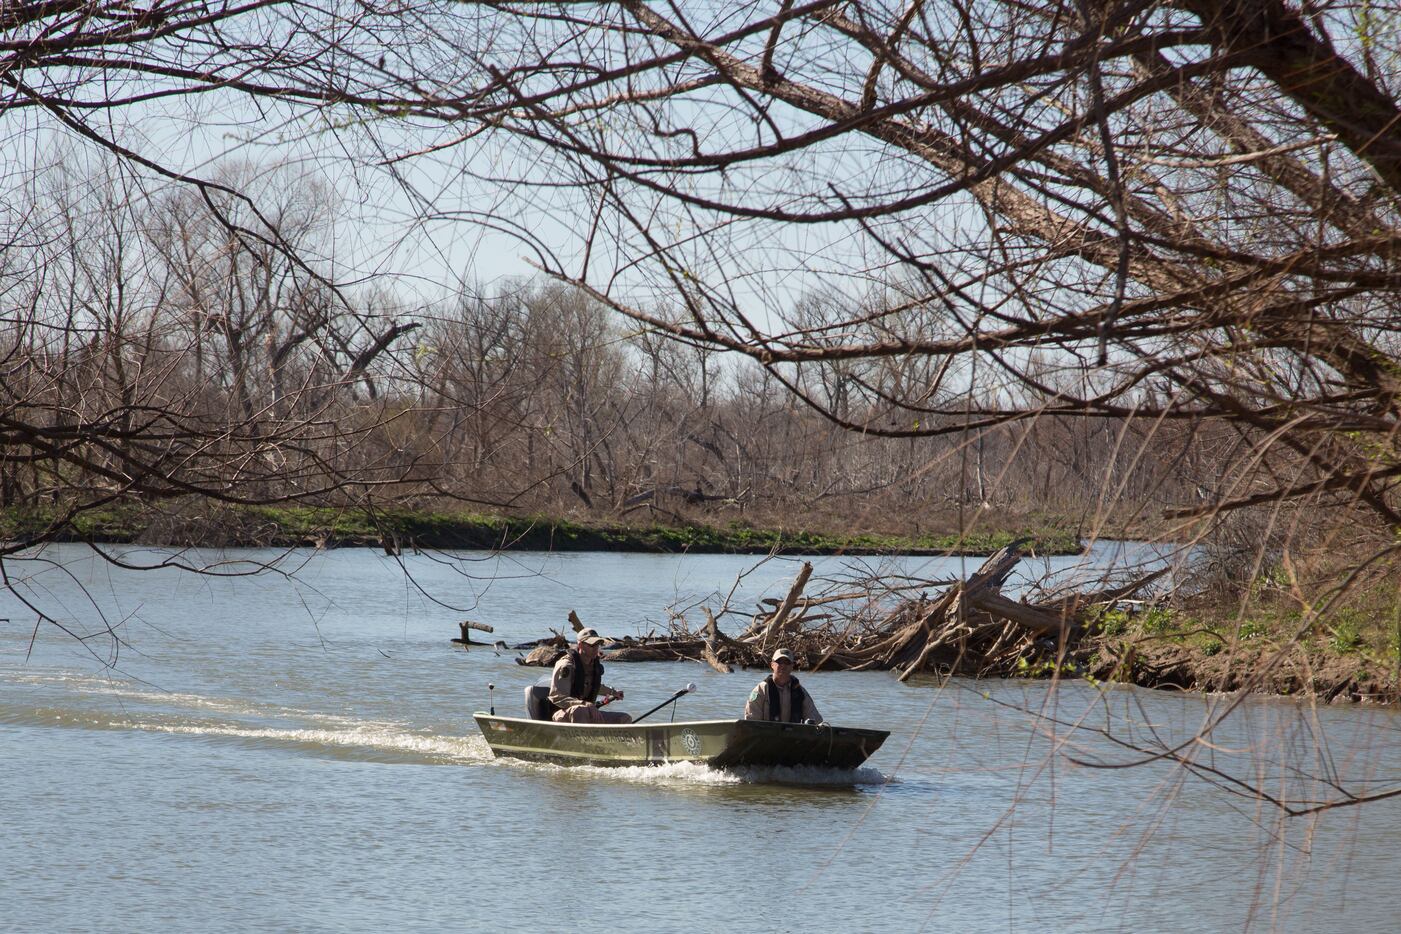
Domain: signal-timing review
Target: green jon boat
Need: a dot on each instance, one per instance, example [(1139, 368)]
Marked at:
[(716, 743)]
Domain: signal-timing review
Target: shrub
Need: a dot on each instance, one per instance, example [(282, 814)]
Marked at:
[(1112, 622), (1157, 620), (1253, 629), (1347, 634)]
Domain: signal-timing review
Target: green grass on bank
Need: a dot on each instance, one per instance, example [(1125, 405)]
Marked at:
[(1351, 650), (1368, 634), (328, 527)]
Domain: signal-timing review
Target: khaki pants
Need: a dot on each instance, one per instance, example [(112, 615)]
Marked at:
[(585, 713)]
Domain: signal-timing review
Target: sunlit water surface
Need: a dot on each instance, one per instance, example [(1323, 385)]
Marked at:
[(275, 753)]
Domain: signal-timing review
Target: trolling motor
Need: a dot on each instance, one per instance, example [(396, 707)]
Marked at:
[(492, 697)]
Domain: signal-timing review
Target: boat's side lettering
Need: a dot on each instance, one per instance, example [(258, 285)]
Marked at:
[(607, 742)]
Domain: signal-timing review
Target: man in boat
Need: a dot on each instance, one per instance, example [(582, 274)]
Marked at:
[(780, 696), (578, 680)]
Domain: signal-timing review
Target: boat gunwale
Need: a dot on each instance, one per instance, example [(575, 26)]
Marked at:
[(607, 726), (670, 723)]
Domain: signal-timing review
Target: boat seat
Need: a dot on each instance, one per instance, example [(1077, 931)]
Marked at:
[(537, 702)]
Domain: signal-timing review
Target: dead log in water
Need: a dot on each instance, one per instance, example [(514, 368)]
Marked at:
[(543, 655), (776, 622), (711, 652), (969, 627), (466, 627)]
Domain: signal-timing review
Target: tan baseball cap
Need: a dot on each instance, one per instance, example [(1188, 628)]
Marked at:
[(783, 653), (590, 637)]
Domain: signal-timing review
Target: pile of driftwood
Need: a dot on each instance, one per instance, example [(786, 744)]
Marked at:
[(969, 628)]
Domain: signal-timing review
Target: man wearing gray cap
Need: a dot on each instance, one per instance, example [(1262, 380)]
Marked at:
[(780, 696), (578, 680)]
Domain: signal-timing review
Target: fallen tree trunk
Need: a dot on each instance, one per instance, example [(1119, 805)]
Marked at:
[(711, 652), (969, 628), (776, 621), (465, 627)]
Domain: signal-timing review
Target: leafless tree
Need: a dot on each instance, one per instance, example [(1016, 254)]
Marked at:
[(1151, 226), (138, 290), (1135, 209), (1160, 228)]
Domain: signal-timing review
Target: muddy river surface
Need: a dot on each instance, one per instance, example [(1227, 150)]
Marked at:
[(294, 751)]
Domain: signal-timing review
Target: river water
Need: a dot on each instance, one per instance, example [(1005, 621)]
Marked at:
[(294, 751)]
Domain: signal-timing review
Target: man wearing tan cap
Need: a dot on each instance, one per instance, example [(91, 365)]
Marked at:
[(578, 680), (780, 696)]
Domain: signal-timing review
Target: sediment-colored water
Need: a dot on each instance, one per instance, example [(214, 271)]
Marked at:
[(275, 753)]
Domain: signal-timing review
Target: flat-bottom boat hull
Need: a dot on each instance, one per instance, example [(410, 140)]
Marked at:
[(716, 743)]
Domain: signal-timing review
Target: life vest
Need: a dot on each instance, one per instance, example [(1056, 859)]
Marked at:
[(576, 677), (797, 700)]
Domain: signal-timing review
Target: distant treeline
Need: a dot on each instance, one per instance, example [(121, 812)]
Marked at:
[(157, 355)]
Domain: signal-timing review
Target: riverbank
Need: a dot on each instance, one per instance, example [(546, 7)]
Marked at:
[(1348, 656), (398, 530)]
